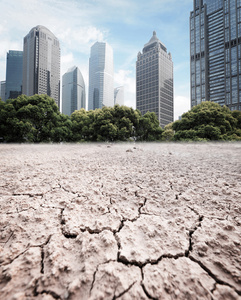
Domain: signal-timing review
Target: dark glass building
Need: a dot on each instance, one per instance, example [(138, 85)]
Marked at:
[(14, 74), (154, 81), (215, 52)]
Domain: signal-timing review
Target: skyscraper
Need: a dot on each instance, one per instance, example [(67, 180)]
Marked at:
[(119, 95), (73, 91), (41, 64), (14, 74), (215, 52), (154, 81), (101, 76)]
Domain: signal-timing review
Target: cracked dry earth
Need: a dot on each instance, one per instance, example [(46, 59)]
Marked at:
[(122, 221)]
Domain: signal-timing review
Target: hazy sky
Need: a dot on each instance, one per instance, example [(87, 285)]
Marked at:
[(125, 24)]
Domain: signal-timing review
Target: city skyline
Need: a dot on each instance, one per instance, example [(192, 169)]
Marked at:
[(123, 24)]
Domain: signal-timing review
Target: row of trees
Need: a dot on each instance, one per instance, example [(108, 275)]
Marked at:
[(37, 119), (208, 121)]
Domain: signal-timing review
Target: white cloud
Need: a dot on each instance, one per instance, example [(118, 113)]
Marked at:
[(181, 105), (80, 39), (2, 29), (127, 79), (67, 61), (7, 45)]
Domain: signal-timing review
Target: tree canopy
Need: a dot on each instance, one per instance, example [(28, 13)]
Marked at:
[(33, 119), (208, 121), (37, 119), (118, 123)]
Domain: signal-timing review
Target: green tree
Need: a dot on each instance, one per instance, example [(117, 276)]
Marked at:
[(237, 115), (116, 123), (127, 121), (149, 128), (207, 121), (168, 133), (33, 119), (83, 123), (11, 128)]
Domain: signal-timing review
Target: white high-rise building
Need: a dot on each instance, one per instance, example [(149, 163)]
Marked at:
[(73, 91), (101, 76), (154, 81), (41, 64)]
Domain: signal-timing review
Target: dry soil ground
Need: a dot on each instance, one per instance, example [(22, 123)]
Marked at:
[(122, 221)]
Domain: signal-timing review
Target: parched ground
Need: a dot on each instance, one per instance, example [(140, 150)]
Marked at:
[(122, 221)]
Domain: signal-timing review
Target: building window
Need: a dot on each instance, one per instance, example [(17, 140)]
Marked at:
[(226, 21), (192, 36), (234, 90), (193, 79), (203, 91), (234, 64), (193, 93), (198, 72), (203, 63), (227, 54), (228, 98), (228, 69), (228, 85)]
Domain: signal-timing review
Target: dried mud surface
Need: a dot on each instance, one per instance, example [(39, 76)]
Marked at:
[(122, 221)]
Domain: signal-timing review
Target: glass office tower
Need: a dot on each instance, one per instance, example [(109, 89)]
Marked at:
[(14, 74), (101, 76), (41, 64), (154, 81), (73, 91), (215, 52)]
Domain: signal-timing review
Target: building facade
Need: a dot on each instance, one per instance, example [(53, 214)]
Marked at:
[(14, 74), (41, 64), (154, 81), (101, 76), (73, 91), (119, 95), (2, 90), (215, 52)]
